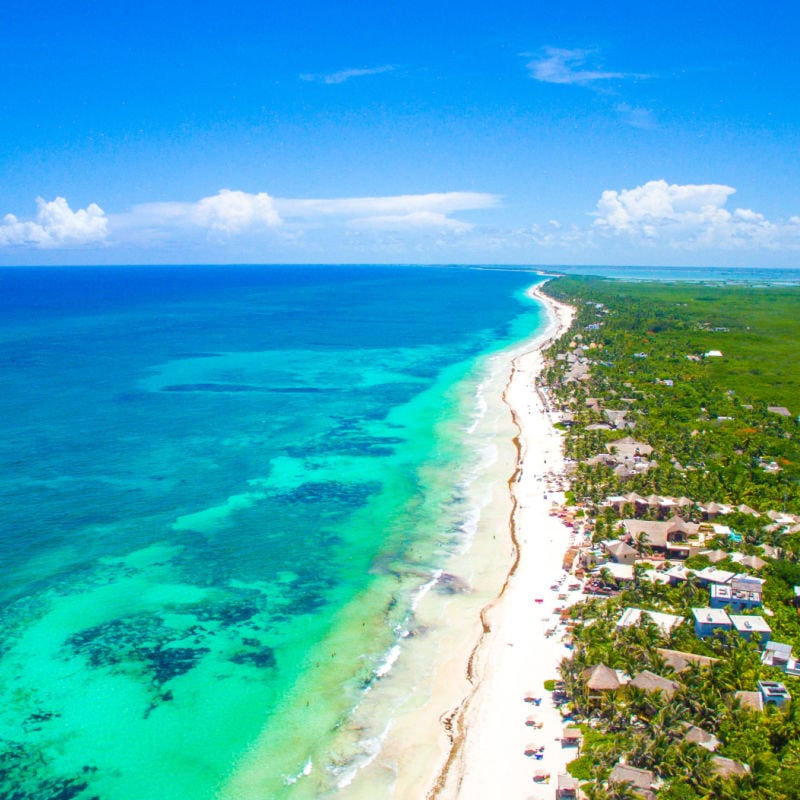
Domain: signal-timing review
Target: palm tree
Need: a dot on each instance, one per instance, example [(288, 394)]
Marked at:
[(642, 543), (622, 791)]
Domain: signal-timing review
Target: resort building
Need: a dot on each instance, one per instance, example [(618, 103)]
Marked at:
[(780, 656), (602, 679), (568, 787), (669, 539), (741, 594), (700, 737), (666, 622), (654, 576), (571, 737), (629, 447), (774, 693), (710, 621), (748, 626), (619, 572), (711, 575), (680, 661), (619, 552), (751, 562), (650, 682), (728, 768), (779, 410), (752, 700), (640, 780), (678, 574)]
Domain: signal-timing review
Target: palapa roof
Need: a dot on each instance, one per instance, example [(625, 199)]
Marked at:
[(619, 548), (657, 531), (753, 562), (650, 682), (638, 778), (635, 497), (566, 781), (680, 661), (752, 700), (727, 767), (703, 738), (770, 551), (601, 678), (782, 410), (677, 523), (629, 445)]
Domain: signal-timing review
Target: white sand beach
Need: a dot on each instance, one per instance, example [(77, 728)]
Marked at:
[(456, 698), (516, 655)]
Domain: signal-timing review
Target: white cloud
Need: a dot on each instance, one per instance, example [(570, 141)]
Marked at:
[(414, 219), (346, 74), (559, 65), (658, 217), (55, 225), (441, 203), (227, 212), (688, 216), (657, 203), (236, 214), (232, 211)]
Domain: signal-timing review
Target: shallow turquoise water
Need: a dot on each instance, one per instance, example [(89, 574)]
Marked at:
[(204, 469)]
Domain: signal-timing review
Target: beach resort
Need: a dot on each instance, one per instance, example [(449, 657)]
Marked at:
[(642, 643)]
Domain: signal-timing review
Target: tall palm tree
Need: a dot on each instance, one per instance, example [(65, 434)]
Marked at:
[(642, 543)]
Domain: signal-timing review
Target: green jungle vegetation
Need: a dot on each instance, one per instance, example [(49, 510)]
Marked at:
[(713, 439), (713, 420)]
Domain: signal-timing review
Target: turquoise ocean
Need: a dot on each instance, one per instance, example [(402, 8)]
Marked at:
[(224, 489)]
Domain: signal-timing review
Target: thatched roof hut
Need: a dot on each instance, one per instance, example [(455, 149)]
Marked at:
[(601, 679), (680, 661), (727, 767), (650, 682)]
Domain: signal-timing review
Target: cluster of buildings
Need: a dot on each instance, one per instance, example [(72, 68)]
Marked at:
[(625, 457), (651, 541)]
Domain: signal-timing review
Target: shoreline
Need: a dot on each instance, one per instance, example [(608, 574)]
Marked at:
[(441, 676), (514, 655)]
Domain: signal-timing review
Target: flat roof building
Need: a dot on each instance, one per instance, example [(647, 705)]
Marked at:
[(747, 626)]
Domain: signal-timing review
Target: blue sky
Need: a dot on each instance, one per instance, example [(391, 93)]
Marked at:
[(512, 132)]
